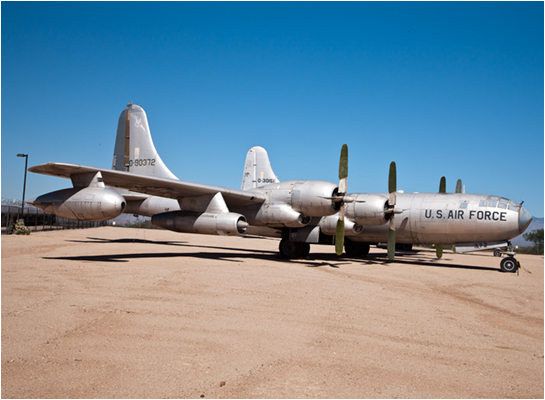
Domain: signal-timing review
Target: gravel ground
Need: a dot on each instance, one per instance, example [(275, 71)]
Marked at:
[(119, 312)]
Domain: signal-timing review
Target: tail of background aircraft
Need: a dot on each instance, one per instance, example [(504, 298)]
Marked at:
[(257, 169), (134, 150)]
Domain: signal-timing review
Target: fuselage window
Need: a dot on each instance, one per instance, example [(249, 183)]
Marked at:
[(463, 204)]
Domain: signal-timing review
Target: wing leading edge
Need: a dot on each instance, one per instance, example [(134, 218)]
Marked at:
[(163, 187)]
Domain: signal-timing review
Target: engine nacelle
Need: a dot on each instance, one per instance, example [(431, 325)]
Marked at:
[(228, 224), (328, 225), (313, 198), (82, 204), (280, 216), (368, 209)]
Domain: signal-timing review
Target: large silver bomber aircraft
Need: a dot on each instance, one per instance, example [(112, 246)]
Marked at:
[(300, 212)]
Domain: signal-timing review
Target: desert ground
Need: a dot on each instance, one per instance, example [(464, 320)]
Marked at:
[(132, 313)]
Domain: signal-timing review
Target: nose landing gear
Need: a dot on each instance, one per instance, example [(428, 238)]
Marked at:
[(509, 263)]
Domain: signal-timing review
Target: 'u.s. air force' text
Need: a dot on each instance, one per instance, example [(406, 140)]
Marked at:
[(461, 214)]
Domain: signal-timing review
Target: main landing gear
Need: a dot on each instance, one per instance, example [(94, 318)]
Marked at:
[(355, 249), (290, 250)]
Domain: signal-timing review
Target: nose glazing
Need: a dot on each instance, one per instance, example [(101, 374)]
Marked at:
[(524, 219)]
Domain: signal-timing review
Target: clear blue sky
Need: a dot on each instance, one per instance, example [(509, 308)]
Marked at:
[(449, 88)]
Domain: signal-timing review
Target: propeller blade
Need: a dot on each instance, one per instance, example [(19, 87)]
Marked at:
[(392, 178), (339, 237), (439, 250), (343, 169), (391, 240), (459, 186), (443, 189), (343, 185), (392, 188), (443, 185)]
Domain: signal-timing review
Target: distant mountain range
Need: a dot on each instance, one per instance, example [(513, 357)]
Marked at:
[(537, 223), (11, 202)]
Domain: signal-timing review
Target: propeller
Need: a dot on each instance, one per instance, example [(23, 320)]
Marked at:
[(343, 182), (392, 187), (459, 186), (443, 189)]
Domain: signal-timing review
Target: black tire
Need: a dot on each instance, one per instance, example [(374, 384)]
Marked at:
[(509, 264), (355, 249), (290, 250), (305, 249)]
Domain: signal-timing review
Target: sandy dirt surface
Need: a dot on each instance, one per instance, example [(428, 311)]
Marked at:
[(118, 312)]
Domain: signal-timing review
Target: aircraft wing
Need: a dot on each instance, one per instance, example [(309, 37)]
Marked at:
[(163, 187)]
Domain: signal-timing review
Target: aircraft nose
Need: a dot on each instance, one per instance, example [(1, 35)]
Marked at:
[(524, 219)]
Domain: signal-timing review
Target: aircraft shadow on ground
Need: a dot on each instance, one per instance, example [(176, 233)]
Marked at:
[(129, 240), (236, 254), (415, 259)]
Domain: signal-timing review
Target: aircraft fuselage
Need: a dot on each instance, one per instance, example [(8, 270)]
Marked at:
[(448, 218)]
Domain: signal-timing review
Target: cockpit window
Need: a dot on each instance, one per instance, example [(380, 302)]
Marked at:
[(482, 203), (502, 205), (514, 206), (492, 203)]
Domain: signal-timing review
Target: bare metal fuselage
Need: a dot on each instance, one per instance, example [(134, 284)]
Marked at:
[(424, 218), (448, 219)]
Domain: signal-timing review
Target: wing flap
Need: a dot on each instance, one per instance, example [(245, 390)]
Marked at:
[(163, 187)]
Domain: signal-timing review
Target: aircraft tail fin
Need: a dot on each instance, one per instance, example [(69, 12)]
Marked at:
[(134, 150), (257, 169)]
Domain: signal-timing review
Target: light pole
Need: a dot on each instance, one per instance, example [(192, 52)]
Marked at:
[(24, 183)]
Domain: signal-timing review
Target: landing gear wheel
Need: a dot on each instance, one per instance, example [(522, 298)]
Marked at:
[(290, 250), (497, 253), (509, 264), (355, 249), (305, 249)]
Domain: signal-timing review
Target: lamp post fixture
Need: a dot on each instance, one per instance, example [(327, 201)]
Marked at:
[(24, 184)]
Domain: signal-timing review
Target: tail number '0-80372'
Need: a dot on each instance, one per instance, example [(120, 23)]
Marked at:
[(142, 162)]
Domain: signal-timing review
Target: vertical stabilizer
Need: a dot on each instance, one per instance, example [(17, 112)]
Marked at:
[(134, 150), (257, 169)]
